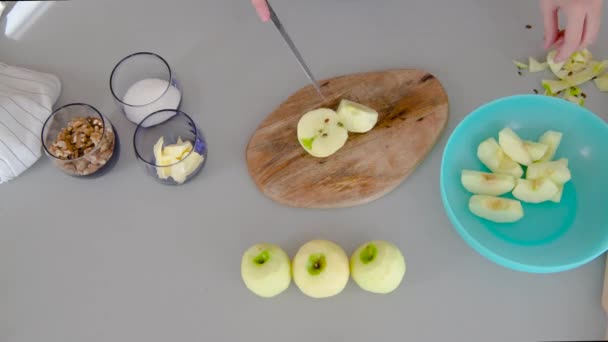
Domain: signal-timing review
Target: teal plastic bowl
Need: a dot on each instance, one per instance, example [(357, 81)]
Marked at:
[(551, 237)]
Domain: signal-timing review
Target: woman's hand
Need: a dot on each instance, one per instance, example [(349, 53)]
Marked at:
[(583, 24), (261, 6)]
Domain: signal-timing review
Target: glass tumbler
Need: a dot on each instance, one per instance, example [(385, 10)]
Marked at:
[(174, 151), (80, 140), (143, 83)]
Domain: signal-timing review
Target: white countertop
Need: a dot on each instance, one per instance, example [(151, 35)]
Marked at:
[(123, 258)]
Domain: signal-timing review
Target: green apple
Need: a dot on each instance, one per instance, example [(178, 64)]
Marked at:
[(356, 117), (484, 183), (501, 210), (535, 190), (266, 270), (513, 146), (321, 133), (377, 266), (320, 269)]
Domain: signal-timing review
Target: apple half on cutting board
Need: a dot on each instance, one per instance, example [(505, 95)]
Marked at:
[(412, 111)]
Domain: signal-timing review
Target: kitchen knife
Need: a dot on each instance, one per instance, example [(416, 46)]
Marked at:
[(294, 50)]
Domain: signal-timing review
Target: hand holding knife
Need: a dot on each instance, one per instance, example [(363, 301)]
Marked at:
[(265, 12)]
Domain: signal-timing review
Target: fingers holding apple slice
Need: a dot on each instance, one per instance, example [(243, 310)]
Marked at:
[(552, 139), (320, 269)]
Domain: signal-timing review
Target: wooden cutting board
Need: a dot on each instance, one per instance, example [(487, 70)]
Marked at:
[(413, 111)]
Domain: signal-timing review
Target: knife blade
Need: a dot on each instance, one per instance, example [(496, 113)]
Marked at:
[(277, 23)]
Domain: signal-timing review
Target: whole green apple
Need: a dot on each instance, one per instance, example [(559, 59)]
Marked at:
[(377, 266), (320, 269), (266, 270)]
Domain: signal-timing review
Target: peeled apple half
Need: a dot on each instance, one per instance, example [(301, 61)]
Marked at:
[(321, 133), (356, 117)]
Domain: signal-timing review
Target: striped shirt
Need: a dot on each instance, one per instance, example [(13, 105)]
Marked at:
[(26, 100)]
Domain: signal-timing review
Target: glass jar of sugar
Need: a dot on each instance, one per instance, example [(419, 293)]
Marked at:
[(143, 83)]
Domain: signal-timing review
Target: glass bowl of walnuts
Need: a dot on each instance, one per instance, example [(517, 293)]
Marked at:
[(80, 140)]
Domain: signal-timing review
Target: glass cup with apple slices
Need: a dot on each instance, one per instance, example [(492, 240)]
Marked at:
[(174, 151)]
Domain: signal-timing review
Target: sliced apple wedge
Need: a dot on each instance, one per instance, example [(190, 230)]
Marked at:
[(552, 139), (490, 153), (509, 167), (320, 133), (535, 191), (483, 183), (513, 146), (536, 150), (496, 209), (493, 157), (356, 117), (557, 171)]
